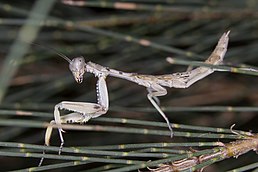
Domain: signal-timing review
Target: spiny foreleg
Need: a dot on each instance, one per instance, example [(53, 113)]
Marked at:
[(88, 110), (83, 112)]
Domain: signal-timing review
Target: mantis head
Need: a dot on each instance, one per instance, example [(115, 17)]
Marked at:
[(77, 67)]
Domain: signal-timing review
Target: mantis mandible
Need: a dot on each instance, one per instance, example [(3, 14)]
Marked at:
[(83, 111)]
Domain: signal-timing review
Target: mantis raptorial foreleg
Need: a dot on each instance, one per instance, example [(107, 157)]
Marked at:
[(83, 112)]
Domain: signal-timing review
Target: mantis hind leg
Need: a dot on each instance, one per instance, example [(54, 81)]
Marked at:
[(154, 92)]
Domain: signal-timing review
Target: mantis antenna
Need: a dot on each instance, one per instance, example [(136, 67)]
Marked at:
[(53, 50)]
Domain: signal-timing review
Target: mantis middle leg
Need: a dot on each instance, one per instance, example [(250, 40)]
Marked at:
[(155, 91)]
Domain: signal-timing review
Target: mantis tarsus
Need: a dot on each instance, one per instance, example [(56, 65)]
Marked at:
[(83, 111)]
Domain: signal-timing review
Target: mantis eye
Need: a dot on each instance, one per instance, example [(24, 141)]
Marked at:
[(77, 67)]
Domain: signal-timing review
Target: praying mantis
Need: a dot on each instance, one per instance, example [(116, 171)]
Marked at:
[(84, 111)]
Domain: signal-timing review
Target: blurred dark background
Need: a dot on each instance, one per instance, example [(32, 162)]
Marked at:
[(112, 33)]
